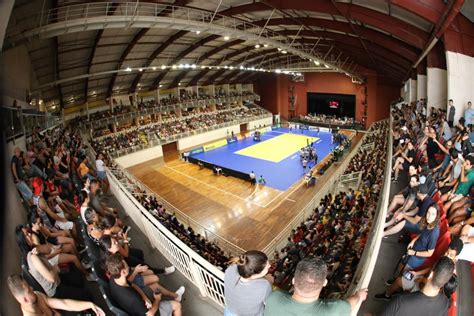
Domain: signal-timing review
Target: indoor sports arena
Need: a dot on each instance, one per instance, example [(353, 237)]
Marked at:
[(237, 158)]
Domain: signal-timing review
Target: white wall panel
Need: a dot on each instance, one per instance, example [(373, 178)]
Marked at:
[(421, 86), (460, 69), (140, 157), (200, 139), (437, 88)]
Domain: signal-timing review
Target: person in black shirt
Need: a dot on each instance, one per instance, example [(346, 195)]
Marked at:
[(131, 298), (430, 301)]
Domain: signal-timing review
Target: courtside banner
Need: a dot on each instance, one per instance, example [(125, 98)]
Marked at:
[(324, 129), (314, 128), (215, 145), (196, 151)]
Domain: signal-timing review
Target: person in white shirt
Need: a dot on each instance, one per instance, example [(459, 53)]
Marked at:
[(100, 166)]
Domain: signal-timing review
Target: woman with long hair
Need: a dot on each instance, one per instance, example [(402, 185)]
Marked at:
[(247, 284), (423, 246)]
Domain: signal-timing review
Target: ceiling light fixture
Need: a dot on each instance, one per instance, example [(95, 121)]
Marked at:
[(283, 51), (154, 68), (193, 66), (163, 67), (160, 86), (226, 38), (128, 69), (174, 66), (257, 46), (316, 63), (326, 66), (198, 32), (265, 45), (278, 71), (279, 49)]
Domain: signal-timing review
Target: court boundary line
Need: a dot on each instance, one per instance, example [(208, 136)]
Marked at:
[(219, 189)]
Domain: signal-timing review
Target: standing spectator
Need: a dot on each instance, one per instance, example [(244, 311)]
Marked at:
[(101, 174), (247, 285), (468, 114), (309, 279), (19, 177), (430, 301), (452, 112)]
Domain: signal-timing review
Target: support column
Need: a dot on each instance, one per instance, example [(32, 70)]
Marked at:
[(436, 83), (421, 80)]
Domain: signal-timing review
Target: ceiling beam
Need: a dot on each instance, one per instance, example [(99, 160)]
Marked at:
[(184, 53), (97, 38), (399, 28)]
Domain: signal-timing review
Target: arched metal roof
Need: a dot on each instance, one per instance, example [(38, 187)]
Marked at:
[(79, 50)]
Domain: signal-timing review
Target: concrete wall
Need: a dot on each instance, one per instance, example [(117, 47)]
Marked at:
[(274, 92), (260, 123), (460, 69), (16, 76), (200, 139), (12, 215), (421, 88), (437, 87), (140, 157)]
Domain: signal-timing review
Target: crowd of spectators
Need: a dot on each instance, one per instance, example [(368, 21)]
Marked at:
[(328, 119), (207, 249), (172, 126), (166, 101), (72, 232), (433, 154), (338, 229)]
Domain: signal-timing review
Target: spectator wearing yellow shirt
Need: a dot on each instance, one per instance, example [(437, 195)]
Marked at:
[(83, 170)]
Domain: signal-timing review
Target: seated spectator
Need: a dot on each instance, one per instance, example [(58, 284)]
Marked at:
[(131, 298), (247, 284), (405, 200), (132, 256), (404, 159), (410, 220), (410, 280), (309, 279), (428, 301), (450, 176), (55, 284), (456, 201), (423, 245), (467, 237), (36, 303)]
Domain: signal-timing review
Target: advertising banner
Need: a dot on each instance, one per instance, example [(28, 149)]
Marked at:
[(215, 145), (196, 151)]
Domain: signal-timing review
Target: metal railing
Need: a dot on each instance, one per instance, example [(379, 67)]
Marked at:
[(17, 122), (205, 276), (369, 256), (223, 243), (99, 15), (280, 240), (165, 108)]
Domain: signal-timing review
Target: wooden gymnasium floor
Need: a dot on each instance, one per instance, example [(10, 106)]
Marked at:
[(248, 216)]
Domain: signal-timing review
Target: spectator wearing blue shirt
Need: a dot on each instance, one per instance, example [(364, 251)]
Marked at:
[(468, 114), (423, 246)]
